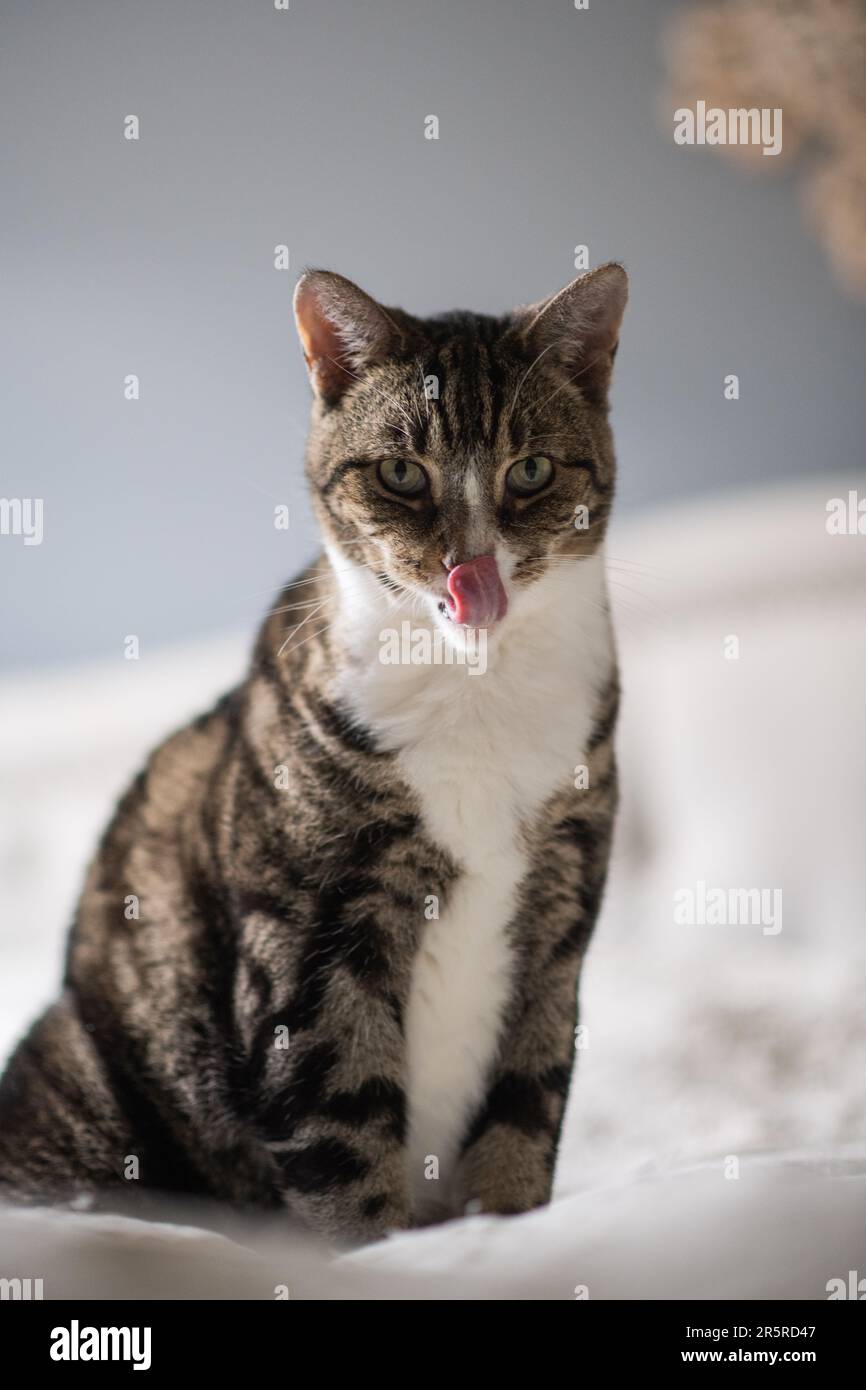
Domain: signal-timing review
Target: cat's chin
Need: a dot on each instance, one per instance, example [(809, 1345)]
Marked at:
[(469, 631), (465, 637)]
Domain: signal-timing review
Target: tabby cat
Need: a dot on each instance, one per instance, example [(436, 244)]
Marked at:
[(326, 958)]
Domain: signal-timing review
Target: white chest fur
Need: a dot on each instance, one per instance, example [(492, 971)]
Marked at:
[(482, 753)]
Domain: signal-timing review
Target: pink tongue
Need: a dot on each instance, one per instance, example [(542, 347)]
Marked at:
[(477, 596)]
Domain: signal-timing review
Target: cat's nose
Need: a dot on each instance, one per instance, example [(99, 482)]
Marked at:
[(476, 596)]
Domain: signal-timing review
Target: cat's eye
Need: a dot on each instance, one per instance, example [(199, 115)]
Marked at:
[(402, 476), (529, 475)]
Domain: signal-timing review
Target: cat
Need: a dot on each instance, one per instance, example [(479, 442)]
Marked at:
[(326, 958)]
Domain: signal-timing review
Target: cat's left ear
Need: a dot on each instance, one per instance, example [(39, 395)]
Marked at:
[(342, 330), (579, 326)]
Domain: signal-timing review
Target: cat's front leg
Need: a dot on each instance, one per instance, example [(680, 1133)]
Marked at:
[(346, 1181), (334, 1125), (509, 1152), (326, 1077)]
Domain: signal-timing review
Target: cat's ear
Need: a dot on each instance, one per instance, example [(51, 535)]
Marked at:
[(342, 330), (579, 326)]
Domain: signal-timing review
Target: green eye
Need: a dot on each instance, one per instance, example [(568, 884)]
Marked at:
[(530, 475), (403, 476)]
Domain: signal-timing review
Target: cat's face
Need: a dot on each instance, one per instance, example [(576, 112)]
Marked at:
[(461, 458)]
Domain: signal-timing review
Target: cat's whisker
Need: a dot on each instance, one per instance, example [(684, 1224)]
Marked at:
[(524, 377), (637, 618), (568, 382), (301, 624), (297, 645), (633, 622), (394, 589), (615, 577), (637, 566), (278, 588), (658, 609), (317, 575), (424, 390), (653, 613), (384, 394), (641, 564), (619, 572), (632, 569), (264, 492), (289, 607)]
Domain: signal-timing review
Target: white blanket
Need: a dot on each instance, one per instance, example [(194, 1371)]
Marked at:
[(710, 1049)]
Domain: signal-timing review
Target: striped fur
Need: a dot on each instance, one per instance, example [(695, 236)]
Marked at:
[(284, 849)]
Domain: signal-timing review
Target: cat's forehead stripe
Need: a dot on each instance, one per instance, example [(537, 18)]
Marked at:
[(470, 380)]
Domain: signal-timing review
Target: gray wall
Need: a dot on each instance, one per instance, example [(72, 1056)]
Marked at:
[(260, 127)]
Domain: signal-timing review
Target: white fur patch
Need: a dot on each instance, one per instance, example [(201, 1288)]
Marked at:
[(472, 489), (483, 753)]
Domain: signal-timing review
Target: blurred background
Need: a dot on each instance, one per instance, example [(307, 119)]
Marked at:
[(304, 128)]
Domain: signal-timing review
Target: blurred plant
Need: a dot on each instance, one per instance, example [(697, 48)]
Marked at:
[(809, 58)]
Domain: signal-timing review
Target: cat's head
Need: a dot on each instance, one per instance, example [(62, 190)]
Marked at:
[(463, 456)]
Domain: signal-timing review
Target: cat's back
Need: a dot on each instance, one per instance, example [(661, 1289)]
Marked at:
[(138, 904)]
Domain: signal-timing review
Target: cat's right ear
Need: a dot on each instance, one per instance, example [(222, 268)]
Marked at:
[(342, 331), (579, 326)]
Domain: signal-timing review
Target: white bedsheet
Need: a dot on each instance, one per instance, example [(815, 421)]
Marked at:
[(706, 1044)]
